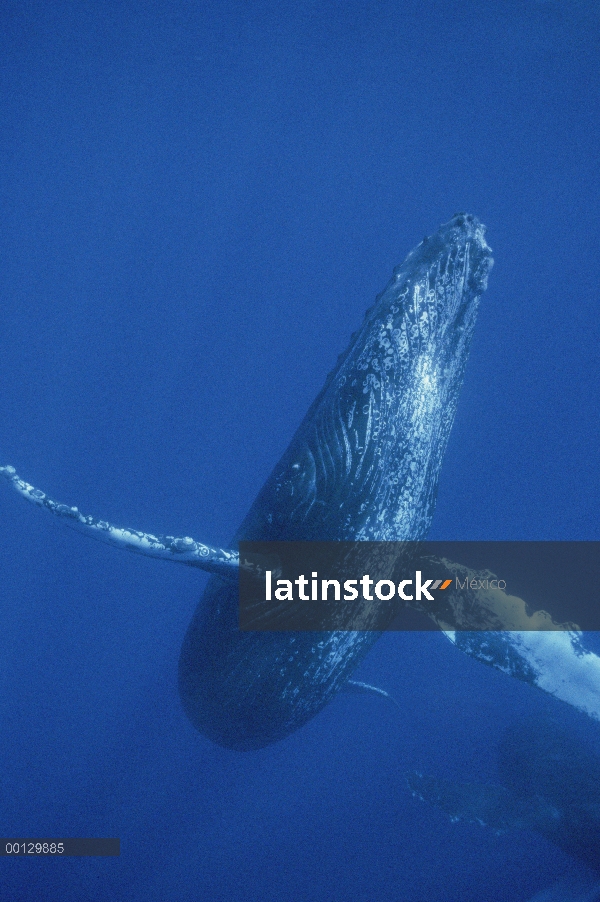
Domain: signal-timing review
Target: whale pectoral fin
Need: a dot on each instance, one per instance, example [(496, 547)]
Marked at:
[(167, 548), (495, 628), (359, 688), (556, 662), (487, 805)]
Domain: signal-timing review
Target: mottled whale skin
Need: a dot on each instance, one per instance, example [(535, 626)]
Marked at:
[(363, 465)]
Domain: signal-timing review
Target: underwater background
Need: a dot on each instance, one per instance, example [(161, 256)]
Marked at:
[(199, 202)]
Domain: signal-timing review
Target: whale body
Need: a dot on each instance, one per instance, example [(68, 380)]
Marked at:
[(363, 466)]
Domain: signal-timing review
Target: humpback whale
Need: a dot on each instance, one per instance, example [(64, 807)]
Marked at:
[(549, 783), (362, 466)]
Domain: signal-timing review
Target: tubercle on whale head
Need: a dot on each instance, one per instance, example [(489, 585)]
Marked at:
[(462, 229)]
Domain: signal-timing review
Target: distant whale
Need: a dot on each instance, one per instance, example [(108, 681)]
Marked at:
[(570, 891), (549, 782), (363, 465)]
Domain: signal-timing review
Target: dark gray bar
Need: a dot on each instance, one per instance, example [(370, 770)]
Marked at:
[(488, 586), (58, 848)]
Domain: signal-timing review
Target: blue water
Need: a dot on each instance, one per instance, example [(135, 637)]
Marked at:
[(199, 201)]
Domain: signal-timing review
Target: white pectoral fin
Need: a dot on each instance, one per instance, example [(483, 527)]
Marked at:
[(497, 629), (182, 550), (555, 661)]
